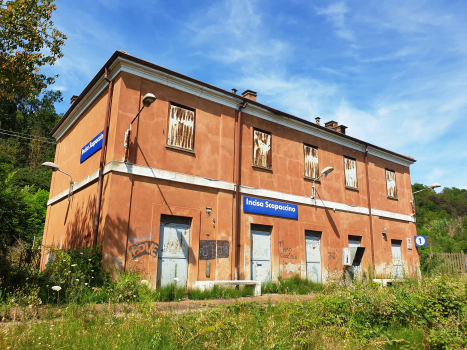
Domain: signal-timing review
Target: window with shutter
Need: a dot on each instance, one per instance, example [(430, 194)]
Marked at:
[(391, 183), (350, 173), (262, 150), (181, 127), (311, 162)]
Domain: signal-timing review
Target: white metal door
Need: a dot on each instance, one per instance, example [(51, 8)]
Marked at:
[(396, 258), (260, 253), (355, 241), (313, 256), (174, 242)]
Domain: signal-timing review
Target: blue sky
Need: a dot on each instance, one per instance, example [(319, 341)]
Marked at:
[(394, 72)]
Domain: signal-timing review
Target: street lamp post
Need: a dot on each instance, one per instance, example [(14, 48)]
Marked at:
[(324, 173), (55, 167), (147, 100), (435, 185)]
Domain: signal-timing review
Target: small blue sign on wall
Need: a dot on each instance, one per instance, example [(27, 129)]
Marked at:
[(92, 147), (420, 241), (267, 207)]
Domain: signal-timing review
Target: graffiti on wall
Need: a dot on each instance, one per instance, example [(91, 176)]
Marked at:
[(286, 253), (140, 249), (209, 249), (223, 249)]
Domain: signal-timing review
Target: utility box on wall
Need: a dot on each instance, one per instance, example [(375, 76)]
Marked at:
[(352, 256)]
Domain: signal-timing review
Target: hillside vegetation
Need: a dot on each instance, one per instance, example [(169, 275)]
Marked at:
[(442, 218), (24, 185)]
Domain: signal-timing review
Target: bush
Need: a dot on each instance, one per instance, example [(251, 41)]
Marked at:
[(293, 285)]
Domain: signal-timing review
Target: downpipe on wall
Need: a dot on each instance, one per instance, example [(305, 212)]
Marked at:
[(237, 189), (369, 211), (102, 160)]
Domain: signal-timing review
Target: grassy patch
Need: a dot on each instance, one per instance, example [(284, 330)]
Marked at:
[(293, 285), (429, 315)]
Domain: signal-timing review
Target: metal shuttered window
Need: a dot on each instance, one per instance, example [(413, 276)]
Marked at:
[(262, 150), (311, 162), (181, 127), (350, 172), (391, 183)]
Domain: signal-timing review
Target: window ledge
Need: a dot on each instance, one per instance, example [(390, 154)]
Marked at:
[(393, 198), (180, 149), (312, 179), (261, 167), (352, 188)]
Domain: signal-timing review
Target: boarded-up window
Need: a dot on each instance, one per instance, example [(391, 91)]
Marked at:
[(350, 173), (262, 154), (181, 127), (391, 183), (311, 161)]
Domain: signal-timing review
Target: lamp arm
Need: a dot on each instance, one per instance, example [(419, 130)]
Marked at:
[(421, 190), (70, 191), (136, 116)]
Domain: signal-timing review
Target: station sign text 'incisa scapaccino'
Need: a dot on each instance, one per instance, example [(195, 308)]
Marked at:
[(268, 207), (92, 147)]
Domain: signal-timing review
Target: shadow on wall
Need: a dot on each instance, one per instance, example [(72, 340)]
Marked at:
[(80, 226)]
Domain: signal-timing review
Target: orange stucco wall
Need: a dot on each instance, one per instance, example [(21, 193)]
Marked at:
[(133, 205)]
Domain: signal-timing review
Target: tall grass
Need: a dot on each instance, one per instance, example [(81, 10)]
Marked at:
[(427, 315)]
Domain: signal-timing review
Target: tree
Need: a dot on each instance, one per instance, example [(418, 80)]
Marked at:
[(32, 117), (28, 41)]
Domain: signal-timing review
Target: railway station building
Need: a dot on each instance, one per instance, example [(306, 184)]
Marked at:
[(209, 185)]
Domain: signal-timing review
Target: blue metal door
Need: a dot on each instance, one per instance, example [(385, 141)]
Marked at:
[(174, 243), (260, 253), (313, 256)]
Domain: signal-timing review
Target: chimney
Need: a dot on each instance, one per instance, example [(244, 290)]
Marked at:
[(341, 129), (73, 99), (334, 126), (317, 120), (234, 91), (330, 124), (249, 94)]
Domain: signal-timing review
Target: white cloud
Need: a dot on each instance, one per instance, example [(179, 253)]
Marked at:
[(336, 14)]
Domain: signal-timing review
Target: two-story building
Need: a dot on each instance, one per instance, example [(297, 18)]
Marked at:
[(212, 185)]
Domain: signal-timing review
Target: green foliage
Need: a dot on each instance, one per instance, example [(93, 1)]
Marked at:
[(28, 41), (410, 315), (442, 218), (293, 285), (24, 184), (22, 212)]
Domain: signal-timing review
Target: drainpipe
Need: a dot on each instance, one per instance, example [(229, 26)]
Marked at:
[(237, 190), (369, 210), (102, 161)]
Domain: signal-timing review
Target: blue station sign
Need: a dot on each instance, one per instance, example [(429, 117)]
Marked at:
[(92, 147), (420, 241), (267, 207)]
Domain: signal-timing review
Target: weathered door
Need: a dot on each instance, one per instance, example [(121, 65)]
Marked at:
[(313, 256), (260, 253), (396, 258), (355, 241), (174, 243)]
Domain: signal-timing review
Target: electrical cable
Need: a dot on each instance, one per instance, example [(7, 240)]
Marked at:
[(29, 138), (20, 133)]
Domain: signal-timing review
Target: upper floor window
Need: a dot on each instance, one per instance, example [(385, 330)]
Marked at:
[(391, 183), (181, 127), (350, 173), (311, 161), (262, 149)]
